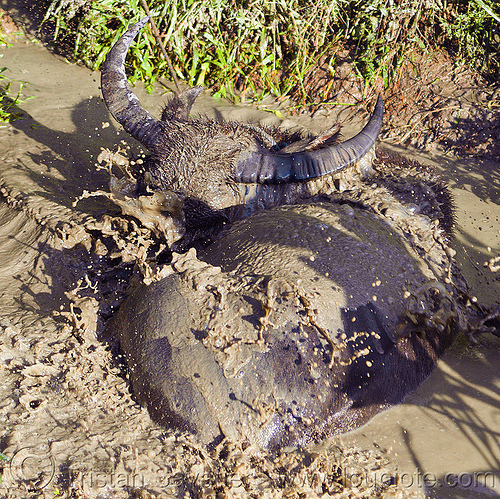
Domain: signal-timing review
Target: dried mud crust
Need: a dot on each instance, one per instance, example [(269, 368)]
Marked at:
[(433, 102)]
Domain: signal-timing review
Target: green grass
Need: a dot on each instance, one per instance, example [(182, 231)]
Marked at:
[(260, 47), (9, 101)]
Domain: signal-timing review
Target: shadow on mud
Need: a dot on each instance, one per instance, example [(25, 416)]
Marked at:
[(29, 16), (462, 392), (73, 154), (478, 137), (478, 175)]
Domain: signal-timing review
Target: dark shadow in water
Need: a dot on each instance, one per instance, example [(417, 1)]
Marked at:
[(73, 154), (479, 484), (477, 175), (470, 255), (30, 12), (46, 302), (478, 135), (452, 400), (480, 176)]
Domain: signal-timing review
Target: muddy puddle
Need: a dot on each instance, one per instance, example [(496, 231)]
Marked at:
[(69, 425)]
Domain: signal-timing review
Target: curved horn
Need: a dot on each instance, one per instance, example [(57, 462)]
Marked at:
[(267, 167), (119, 98)]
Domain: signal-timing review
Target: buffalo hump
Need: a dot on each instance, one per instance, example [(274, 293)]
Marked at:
[(293, 326)]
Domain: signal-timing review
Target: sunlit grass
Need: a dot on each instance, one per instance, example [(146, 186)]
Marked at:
[(261, 47), (9, 99)]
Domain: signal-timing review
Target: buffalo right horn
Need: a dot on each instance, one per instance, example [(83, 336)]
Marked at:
[(268, 167)]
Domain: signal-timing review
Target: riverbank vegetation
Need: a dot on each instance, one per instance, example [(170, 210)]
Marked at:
[(9, 100), (256, 47), (9, 97)]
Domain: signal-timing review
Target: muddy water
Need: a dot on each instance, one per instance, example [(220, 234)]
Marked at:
[(68, 422)]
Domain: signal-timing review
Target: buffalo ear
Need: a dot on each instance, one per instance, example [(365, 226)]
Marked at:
[(179, 107)]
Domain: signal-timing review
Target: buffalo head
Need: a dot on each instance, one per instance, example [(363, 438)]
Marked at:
[(211, 162)]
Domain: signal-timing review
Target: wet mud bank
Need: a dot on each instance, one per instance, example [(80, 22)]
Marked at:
[(65, 269)]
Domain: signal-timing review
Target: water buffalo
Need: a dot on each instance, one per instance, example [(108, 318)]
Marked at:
[(327, 296), (223, 170)]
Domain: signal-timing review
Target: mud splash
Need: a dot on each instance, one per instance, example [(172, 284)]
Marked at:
[(69, 424)]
